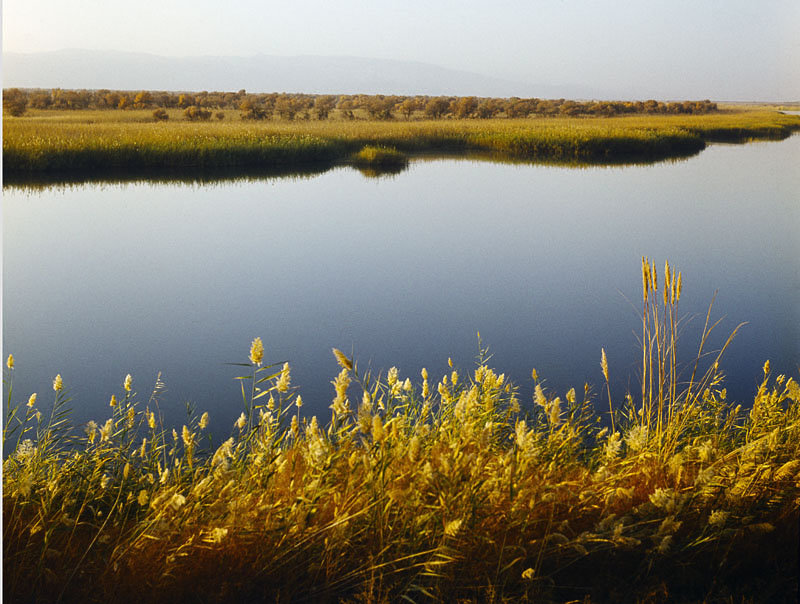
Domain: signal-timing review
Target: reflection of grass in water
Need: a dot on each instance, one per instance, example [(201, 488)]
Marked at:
[(372, 156), (379, 161), (165, 176), (92, 141), (443, 490)]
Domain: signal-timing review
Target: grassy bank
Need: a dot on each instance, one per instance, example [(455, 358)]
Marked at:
[(417, 489), (93, 141)]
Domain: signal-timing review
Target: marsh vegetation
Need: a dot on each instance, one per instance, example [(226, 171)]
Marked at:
[(90, 141), (417, 488)]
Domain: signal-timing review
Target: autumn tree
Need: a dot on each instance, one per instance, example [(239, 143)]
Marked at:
[(40, 100), (487, 108), (407, 107), (379, 107), (465, 107), (286, 107), (15, 102), (437, 107), (142, 100), (251, 110), (323, 105)]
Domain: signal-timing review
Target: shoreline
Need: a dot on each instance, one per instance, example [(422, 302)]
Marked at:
[(35, 147)]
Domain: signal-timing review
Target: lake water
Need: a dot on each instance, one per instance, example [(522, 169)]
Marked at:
[(105, 279)]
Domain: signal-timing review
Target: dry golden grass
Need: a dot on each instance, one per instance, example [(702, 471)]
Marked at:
[(446, 490), (93, 141)]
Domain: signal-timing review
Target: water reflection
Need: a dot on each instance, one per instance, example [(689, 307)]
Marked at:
[(200, 177), (209, 177), (104, 279)]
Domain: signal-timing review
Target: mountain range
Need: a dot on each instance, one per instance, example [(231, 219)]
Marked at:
[(115, 70)]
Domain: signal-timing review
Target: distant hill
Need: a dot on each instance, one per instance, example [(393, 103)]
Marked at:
[(89, 69)]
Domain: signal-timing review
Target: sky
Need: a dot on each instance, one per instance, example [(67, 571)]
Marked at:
[(718, 49)]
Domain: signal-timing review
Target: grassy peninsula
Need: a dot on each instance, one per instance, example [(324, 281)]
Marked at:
[(418, 489), (93, 141)]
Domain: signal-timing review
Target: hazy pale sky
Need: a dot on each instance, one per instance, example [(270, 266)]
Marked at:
[(720, 49)]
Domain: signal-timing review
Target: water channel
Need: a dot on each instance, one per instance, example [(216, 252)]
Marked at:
[(106, 278)]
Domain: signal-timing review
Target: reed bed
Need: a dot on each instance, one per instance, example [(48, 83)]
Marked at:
[(92, 141), (416, 489), (379, 157)]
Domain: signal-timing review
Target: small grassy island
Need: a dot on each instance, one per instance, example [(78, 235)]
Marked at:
[(449, 490), (258, 135)]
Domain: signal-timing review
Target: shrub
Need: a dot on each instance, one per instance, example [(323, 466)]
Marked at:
[(194, 113)]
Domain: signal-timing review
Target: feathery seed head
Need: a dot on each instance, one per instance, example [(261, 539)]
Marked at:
[(58, 383), (539, 397), (186, 436), (717, 518), (216, 535), (554, 411), (612, 446), (10, 361), (343, 361), (106, 430), (203, 424), (240, 423), (91, 430), (32, 400), (636, 438), (378, 433), (256, 351), (285, 379), (413, 448), (128, 382), (113, 401), (452, 527), (177, 502), (604, 363)]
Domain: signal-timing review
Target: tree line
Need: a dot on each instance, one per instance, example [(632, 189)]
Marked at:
[(263, 106)]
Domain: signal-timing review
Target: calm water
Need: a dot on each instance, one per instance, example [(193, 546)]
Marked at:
[(101, 280)]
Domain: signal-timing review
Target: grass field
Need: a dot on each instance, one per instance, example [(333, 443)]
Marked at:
[(96, 141), (418, 489)]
